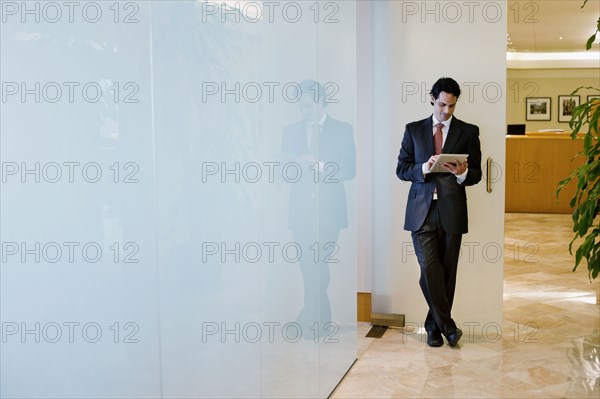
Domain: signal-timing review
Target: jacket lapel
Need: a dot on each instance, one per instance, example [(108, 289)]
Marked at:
[(428, 135), (452, 138)]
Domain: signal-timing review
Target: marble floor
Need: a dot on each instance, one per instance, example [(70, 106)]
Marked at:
[(555, 352)]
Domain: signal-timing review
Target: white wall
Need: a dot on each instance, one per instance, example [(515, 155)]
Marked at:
[(365, 67), (415, 43)]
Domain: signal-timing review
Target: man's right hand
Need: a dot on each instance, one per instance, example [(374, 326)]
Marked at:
[(431, 161)]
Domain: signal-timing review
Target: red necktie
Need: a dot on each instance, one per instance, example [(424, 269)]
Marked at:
[(313, 145), (438, 138)]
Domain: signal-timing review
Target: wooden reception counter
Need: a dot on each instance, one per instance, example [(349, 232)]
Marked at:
[(535, 163)]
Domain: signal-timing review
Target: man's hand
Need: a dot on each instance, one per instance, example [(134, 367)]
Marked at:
[(310, 161), (457, 168), (431, 161), (307, 159)]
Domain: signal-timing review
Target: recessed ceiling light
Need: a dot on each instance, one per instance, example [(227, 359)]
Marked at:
[(560, 38), (579, 55)]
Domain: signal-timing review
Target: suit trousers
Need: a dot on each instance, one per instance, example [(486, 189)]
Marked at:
[(317, 242), (437, 253)]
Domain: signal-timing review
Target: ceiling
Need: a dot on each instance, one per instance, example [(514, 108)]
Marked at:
[(538, 26)]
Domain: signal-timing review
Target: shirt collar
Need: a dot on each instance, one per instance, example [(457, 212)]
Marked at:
[(445, 123), (320, 123)]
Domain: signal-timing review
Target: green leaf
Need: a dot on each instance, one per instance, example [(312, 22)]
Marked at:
[(590, 41), (578, 255), (587, 143), (562, 184), (587, 245), (583, 228), (571, 245)]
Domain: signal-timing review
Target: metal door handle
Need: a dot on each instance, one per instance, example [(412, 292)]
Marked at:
[(488, 178)]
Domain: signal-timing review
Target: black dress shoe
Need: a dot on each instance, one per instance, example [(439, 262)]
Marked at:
[(454, 337), (434, 339)]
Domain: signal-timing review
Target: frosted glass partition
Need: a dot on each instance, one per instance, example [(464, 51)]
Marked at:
[(177, 198)]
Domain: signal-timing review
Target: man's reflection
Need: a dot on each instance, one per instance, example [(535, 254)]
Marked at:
[(324, 147)]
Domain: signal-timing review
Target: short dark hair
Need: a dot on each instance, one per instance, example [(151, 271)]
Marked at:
[(315, 89), (447, 85)]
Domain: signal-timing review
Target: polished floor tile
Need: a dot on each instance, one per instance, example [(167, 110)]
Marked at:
[(552, 349)]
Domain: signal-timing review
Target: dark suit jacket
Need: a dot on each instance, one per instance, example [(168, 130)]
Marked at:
[(324, 202), (417, 148)]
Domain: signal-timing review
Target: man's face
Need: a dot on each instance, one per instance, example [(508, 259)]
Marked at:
[(311, 110), (444, 106)]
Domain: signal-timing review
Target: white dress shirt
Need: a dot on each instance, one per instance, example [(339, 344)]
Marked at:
[(460, 178)]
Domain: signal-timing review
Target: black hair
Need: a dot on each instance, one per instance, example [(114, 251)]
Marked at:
[(447, 85)]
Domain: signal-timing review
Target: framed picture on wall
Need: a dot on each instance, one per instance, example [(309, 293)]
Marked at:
[(538, 108), (566, 105), (593, 97)]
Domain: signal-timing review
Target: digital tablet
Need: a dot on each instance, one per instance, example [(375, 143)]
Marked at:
[(438, 166)]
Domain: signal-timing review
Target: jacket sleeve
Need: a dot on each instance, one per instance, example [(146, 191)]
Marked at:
[(346, 154), (407, 169), (474, 151)]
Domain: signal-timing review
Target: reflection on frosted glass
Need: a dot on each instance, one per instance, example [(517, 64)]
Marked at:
[(177, 199)]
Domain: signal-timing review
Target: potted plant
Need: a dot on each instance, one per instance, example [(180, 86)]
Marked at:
[(586, 201)]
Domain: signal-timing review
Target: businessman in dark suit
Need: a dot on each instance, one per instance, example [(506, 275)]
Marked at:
[(436, 212), (324, 148)]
